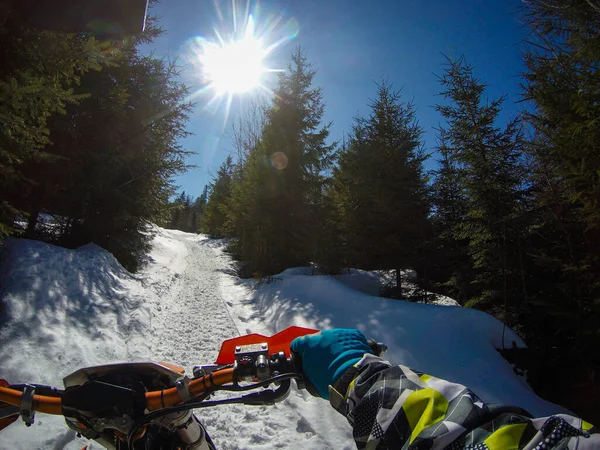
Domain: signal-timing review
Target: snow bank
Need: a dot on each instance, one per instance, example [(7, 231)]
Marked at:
[(63, 310), (449, 342), (372, 282), (50, 290)]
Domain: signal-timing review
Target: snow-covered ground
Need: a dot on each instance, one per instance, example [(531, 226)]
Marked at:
[(67, 309)]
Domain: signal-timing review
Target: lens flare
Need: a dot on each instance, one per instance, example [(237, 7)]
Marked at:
[(237, 63), (279, 160), (236, 66), (233, 63)]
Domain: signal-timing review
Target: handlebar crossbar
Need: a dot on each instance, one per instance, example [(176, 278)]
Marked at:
[(154, 400)]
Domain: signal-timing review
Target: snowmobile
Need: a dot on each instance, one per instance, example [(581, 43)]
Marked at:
[(150, 405)]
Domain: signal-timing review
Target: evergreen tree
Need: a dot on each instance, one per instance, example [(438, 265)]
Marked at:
[(114, 154), (382, 190), (214, 218), (450, 263), (197, 211), (201, 201), (482, 161), (332, 255), (562, 75), (185, 214), (181, 212), (562, 79), (275, 209), (38, 73)]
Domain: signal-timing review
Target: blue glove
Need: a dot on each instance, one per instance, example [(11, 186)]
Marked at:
[(328, 354)]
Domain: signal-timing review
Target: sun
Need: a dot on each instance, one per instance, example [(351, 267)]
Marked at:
[(236, 66), (231, 66)]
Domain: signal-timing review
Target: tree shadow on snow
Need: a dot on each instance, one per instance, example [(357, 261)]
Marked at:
[(48, 288)]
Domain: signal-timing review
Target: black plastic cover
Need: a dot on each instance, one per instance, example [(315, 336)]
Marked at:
[(98, 399)]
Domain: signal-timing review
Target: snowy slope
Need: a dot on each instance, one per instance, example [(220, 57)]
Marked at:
[(64, 309), (67, 309), (449, 342)]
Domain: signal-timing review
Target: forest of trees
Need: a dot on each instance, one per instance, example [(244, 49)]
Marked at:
[(186, 214), (509, 222), (89, 138)]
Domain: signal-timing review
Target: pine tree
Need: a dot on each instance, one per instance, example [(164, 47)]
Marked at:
[(38, 73), (382, 190), (486, 159), (197, 211), (562, 75), (275, 203), (180, 212), (561, 79), (114, 154), (451, 264), (214, 218), (201, 201)]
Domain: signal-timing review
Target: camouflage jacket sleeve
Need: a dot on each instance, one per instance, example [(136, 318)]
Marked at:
[(394, 407)]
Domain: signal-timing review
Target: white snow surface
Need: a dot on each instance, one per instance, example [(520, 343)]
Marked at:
[(68, 309)]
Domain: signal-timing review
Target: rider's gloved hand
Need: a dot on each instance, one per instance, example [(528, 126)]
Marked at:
[(328, 354)]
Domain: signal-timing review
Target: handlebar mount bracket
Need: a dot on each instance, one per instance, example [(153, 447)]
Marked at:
[(26, 408), (183, 388)]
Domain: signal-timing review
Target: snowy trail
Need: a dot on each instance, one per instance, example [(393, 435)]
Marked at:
[(192, 315), (69, 309), (190, 319)]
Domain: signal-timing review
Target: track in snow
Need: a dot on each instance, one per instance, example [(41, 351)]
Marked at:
[(69, 309), (190, 319)]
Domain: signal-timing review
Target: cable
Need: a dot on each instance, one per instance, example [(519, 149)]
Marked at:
[(200, 403), (249, 387)]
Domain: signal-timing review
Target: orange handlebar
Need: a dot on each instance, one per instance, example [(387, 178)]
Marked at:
[(41, 403), (154, 399), (170, 397)]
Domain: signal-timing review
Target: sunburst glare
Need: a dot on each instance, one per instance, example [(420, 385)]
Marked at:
[(234, 61), (235, 66)]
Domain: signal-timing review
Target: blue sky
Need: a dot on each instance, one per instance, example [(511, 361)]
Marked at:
[(351, 44)]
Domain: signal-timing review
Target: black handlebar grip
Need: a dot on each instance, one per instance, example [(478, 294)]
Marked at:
[(304, 382), (296, 361)]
